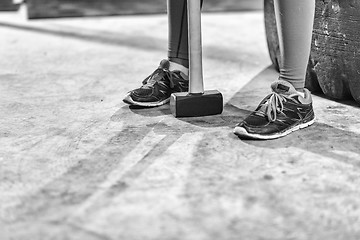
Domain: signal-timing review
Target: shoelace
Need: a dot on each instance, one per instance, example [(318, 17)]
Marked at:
[(272, 105), (156, 77)]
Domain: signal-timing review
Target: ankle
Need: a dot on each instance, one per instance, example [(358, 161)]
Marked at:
[(301, 94), (300, 91), (178, 67)]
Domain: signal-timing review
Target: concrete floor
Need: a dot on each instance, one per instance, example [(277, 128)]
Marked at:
[(77, 163)]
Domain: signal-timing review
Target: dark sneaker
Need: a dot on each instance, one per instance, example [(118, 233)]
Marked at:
[(158, 87), (278, 114)]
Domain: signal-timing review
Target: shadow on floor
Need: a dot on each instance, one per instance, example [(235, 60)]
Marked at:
[(104, 37), (319, 138), (80, 181), (132, 39), (229, 118)]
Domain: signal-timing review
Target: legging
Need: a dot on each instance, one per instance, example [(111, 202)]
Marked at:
[(295, 19), (294, 24), (178, 32)]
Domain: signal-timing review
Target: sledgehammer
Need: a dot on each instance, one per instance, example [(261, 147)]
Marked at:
[(196, 102)]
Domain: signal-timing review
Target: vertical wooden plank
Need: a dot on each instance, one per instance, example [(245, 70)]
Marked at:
[(271, 32), (336, 48)]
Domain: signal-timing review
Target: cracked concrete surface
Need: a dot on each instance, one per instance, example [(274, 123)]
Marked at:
[(77, 163)]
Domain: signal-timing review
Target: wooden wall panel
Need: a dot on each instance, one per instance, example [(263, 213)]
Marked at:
[(77, 8), (8, 5)]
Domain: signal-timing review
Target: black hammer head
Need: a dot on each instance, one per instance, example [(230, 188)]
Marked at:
[(196, 105)]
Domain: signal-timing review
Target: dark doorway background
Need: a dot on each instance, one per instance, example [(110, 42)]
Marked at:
[(8, 5), (79, 8)]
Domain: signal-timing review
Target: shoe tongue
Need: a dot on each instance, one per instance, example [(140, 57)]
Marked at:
[(283, 87), (164, 64)]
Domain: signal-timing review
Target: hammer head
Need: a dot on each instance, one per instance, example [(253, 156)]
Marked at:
[(196, 105)]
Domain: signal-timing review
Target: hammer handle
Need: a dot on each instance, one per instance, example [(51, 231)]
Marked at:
[(196, 84)]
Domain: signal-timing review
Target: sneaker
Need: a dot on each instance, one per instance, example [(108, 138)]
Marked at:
[(158, 87), (280, 113)]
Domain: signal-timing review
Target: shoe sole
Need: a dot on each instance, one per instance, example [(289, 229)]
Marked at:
[(130, 101), (241, 132)]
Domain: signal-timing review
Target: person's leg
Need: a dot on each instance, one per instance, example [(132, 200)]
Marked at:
[(289, 107), (294, 20), (172, 74), (178, 32)]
